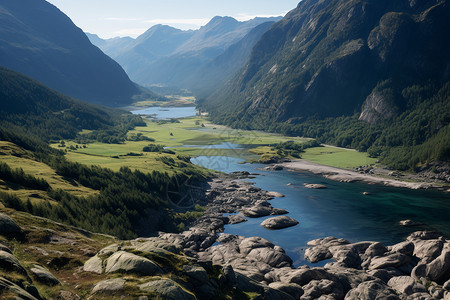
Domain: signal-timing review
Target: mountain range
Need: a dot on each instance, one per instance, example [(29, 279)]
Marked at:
[(372, 75), (166, 55), (40, 41)]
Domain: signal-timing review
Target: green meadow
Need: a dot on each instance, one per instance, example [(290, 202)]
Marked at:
[(197, 131)]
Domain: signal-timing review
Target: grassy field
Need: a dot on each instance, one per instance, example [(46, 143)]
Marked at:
[(16, 157), (338, 157), (198, 131)]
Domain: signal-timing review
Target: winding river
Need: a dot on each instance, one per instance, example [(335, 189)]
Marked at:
[(341, 210)]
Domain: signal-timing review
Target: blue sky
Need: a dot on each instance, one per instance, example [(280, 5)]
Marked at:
[(111, 18)]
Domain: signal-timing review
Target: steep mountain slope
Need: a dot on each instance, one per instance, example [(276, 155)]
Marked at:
[(38, 40), (375, 60), (25, 103), (327, 57), (214, 73), (173, 57)]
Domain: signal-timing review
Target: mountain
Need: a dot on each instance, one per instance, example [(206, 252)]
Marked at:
[(376, 61), (34, 108), (166, 55), (213, 74), (38, 40)]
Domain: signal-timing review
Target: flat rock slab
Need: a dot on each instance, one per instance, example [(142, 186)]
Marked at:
[(279, 222), (315, 186), (167, 289)]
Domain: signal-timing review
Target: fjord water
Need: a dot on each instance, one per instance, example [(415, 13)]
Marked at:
[(341, 210)]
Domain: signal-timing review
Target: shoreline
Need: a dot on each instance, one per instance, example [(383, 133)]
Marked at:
[(415, 268), (343, 175)]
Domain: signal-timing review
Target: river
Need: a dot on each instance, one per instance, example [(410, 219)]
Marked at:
[(341, 210)]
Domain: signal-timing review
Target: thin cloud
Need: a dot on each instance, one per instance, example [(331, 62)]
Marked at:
[(197, 22)]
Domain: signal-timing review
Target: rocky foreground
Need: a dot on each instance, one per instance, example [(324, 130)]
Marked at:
[(40, 259)]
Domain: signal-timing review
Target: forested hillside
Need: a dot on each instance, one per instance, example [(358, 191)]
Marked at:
[(92, 197), (366, 74)]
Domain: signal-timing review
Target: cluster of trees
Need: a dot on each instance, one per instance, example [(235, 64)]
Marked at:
[(18, 176), (290, 148), (125, 198)]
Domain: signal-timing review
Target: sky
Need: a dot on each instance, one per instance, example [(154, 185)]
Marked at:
[(111, 18)]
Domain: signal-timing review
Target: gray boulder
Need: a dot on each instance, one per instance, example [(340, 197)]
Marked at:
[(127, 262), (196, 272), (8, 226), (405, 247), (438, 270), (427, 250), (320, 249), (371, 290), (406, 285), (109, 286), (292, 289), (270, 256), (167, 289), (279, 222), (44, 276), (236, 219), (324, 287), (257, 211), (94, 265), (248, 244), (275, 194), (392, 260)]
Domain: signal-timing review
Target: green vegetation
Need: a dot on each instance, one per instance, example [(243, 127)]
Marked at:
[(419, 135)]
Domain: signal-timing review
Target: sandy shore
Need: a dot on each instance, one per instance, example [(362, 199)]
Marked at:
[(343, 175)]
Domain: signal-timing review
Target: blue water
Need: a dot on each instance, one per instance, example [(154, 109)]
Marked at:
[(341, 210), (167, 112)]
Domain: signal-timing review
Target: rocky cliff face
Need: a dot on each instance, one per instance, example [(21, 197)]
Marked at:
[(326, 58)]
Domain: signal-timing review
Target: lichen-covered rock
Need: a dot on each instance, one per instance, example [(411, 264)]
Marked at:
[(167, 289), (127, 262), (109, 286), (279, 222), (44, 276)]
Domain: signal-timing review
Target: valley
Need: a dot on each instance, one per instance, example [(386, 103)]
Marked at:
[(274, 151)]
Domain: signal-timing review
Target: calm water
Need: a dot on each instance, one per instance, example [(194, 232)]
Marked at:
[(167, 112), (341, 210)]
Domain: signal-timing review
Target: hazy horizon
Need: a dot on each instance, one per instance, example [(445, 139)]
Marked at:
[(114, 18)]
